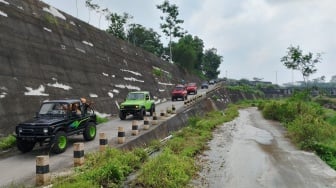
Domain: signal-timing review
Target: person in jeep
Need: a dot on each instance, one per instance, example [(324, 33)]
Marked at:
[(54, 122)]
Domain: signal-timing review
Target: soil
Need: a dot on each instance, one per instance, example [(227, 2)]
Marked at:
[(253, 152)]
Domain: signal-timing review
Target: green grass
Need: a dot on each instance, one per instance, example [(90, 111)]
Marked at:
[(7, 142), (173, 166)]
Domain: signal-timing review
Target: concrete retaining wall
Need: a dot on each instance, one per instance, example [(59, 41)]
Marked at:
[(47, 54)]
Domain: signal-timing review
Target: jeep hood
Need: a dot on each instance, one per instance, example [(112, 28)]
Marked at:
[(132, 102), (42, 121)]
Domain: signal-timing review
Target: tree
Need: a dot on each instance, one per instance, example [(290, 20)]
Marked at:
[(118, 22), (170, 27), (305, 63), (210, 64), (91, 6), (146, 39), (188, 53)]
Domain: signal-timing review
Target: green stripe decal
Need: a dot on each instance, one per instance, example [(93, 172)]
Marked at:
[(76, 123)]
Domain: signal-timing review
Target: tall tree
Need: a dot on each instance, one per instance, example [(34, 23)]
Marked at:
[(171, 24), (305, 63), (211, 62), (146, 39), (91, 6), (188, 52), (118, 22)]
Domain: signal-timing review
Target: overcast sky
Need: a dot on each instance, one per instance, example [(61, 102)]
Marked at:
[(251, 35)]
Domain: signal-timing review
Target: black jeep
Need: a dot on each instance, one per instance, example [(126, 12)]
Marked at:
[(56, 120)]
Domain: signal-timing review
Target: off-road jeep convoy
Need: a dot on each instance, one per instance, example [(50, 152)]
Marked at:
[(137, 104), (55, 121)]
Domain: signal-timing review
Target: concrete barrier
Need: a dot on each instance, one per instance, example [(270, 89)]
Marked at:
[(78, 154), (146, 123), (135, 127), (155, 119), (121, 135), (102, 142), (42, 170)]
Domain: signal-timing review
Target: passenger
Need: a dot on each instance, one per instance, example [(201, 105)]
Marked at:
[(75, 109)]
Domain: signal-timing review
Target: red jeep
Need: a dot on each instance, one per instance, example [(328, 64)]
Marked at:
[(179, 92), (192, 88)]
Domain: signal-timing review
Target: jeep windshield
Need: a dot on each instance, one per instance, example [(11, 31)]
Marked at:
[(135, 96), (178, 88), (53, 109)]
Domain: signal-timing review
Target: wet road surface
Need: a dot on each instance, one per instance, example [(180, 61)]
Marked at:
[(253, 152)]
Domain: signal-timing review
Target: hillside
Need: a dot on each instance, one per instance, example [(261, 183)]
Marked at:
[(46, 54)]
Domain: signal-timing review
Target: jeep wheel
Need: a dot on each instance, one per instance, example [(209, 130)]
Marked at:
[(122, 115), (24, 146), (60, 143), (142, 114), (90, 132), (152, 110)]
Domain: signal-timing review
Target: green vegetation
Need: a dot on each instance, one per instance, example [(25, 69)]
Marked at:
[(173, 166), (101, 119), (157, 72), (106, 169), (7, 142), (51, 19), (310, 126), (246, 89)]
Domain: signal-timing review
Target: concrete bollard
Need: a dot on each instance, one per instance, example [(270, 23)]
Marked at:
[(167, 114), (173, 109), (121, 135), (135, 127), (155, 119), (102, 142), (78, 154), (42, 170), (146, 123), (162, 114)]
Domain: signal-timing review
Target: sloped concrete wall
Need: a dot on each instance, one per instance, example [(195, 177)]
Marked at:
[(47, 54)]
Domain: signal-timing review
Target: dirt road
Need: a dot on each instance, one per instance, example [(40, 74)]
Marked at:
[(253, 152)]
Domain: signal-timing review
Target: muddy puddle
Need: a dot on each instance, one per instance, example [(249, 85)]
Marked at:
[(253, 152)]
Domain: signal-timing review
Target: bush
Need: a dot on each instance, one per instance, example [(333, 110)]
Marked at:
[(308, 130), (7, 142)]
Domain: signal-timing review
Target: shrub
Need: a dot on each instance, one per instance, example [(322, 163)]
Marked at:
[(7, 142), (308, 130)]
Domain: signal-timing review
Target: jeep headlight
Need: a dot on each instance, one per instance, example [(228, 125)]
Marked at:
[(121, 106), (20, 130), (45, 130), (136, 106)]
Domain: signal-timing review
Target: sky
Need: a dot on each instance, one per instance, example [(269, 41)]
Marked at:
[(250, 35)]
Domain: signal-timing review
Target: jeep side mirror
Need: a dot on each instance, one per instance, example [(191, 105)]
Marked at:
[(36, 115)]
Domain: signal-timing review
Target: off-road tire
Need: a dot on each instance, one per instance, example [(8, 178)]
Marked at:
[(24, 146), (152, 110), (60, 142), (90, 132), (142, 114), (122, 115)]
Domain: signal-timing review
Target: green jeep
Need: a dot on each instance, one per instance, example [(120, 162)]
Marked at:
[(137, 103)]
